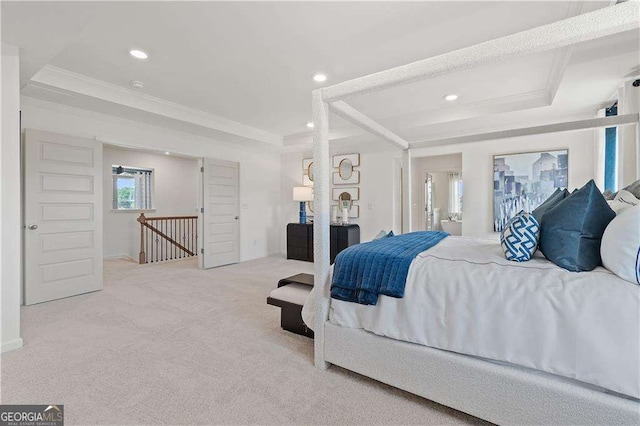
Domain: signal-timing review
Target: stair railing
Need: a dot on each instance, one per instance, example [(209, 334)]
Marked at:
[(167, 238)]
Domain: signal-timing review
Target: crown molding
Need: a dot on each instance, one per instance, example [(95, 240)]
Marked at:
[(126, 132), (88, 86), (109, 129)]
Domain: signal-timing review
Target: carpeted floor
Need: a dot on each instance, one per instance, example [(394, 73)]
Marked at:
[(171, 344)]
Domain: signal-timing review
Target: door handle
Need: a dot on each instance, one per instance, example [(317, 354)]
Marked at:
[(237, 218), (33, 227)]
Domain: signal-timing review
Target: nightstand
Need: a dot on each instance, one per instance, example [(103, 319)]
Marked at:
[(300, 240)]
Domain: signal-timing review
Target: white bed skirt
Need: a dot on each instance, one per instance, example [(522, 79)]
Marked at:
[(498, 393)]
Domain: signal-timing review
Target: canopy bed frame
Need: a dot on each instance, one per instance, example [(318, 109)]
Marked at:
[(495, 392)]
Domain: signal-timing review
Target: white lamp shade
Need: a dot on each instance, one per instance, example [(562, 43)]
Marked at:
[(302, 193)]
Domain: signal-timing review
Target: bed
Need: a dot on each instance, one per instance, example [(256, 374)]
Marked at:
[(533, 383), (463, 298)]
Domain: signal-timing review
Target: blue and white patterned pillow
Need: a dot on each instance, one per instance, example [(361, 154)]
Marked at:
[(520, 236)]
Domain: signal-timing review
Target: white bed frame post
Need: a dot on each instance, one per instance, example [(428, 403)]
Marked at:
[(407, 192), (321, 204), (638, 149), (589, 26)]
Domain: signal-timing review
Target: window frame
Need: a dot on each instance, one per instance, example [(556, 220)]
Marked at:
[(611, 160), (114, 200)]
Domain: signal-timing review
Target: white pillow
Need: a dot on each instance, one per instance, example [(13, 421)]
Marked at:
[(380, 235), (624, 200), (620, 249)]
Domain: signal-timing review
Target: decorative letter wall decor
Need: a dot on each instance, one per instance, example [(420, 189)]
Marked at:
[(307, 172), (345, 174)]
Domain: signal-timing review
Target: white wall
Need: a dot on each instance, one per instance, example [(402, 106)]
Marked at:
[(260, 224), (176, 194), (377, 177), (477, 169), (376, 190), (376, 193), (10, 201), (290, 176), (268, 176)]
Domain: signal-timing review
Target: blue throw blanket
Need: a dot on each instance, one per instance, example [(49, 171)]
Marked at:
[(364, 271)]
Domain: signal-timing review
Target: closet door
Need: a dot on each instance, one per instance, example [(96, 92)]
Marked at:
[(220, 214), (63, 216)]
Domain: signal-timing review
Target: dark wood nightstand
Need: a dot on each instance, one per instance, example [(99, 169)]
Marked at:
[(343, 236), (300, 240)]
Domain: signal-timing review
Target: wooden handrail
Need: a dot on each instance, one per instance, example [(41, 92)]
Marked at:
[(160, 237), (149, 219)]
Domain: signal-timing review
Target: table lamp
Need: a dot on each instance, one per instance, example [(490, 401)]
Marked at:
[(303, 194)]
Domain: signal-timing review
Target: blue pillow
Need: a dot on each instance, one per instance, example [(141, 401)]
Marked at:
[(549, 203), (572, 230), (519, 238)]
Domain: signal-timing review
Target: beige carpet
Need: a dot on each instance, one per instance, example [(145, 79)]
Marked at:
[(171, 344)]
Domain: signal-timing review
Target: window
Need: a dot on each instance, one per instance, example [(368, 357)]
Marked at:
[(132, 188), (455, 195), (611, 153)]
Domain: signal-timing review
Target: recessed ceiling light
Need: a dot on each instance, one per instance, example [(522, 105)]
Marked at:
[(451, 97), (310, 125), (139, 54), (136, 84), (167, 153), (319, 77)]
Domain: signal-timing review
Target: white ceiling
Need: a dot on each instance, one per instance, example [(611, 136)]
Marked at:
[(242, 71)]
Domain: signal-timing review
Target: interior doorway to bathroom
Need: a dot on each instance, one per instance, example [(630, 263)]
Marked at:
[(443, 201), (438, 193)]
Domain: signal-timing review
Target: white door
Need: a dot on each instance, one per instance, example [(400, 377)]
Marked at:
[(220, 236), (63, 216)]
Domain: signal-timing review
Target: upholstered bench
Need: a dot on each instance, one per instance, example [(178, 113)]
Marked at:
[(290, 295)]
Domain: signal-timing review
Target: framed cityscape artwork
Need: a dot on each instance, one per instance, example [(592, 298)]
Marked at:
[(524, 181)]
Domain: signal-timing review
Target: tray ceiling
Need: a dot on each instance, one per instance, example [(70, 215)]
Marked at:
[(243, 70)]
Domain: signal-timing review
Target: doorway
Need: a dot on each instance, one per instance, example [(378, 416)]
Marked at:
[(75, 218), (151, 205), (437, 193), (442, 201)]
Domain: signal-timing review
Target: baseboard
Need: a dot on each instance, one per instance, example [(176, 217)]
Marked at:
[(11, 345), (269, 254), (119, 256)]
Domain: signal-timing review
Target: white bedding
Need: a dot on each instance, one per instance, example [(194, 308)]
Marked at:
[(464, 296)]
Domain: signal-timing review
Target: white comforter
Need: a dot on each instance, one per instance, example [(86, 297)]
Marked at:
[(464, 296)]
